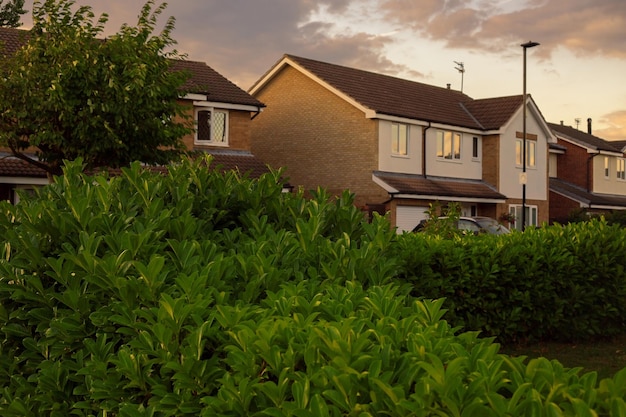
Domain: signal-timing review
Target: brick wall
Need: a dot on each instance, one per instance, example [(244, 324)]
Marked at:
[(573, 165), (318, 137), (239, 132), (491, 160), (561, 207)]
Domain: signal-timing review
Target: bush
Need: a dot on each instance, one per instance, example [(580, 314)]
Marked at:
[(556, 282), (201, 294)]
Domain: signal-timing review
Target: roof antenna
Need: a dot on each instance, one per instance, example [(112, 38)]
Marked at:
[(460, 68), (577, 120)]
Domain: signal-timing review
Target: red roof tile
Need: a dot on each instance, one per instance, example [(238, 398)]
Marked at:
[(414, 100), (585, 138)]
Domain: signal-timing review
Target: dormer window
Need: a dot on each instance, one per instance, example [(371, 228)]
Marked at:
[(211, 127)]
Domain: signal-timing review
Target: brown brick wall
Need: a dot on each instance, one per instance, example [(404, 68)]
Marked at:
[(239, 132), (491, 160), (573, 165), (561, 207), (319, 138)]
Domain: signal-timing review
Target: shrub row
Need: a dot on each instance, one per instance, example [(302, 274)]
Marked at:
[(201, 294), (560, 282)]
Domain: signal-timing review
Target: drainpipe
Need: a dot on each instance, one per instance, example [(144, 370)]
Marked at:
[(589, 159), (424, 149)]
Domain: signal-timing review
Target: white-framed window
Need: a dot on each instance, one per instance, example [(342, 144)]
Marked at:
[(607, 172), (531, 216), (399, 139), (211, 126), (475, 148), (621, 172), (448, 145), (531, 152)]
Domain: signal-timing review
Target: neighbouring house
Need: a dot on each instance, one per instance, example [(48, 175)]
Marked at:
[(589, 173), (400, 145), (221, 110)]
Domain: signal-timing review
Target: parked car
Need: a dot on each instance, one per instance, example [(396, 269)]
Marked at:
[(474, 225)]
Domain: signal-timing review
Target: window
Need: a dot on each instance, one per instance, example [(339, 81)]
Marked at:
[(621, 172), (399, 139), (607, 173), (531, 216), (531, 152), (212, 126), (475, 148), (448, 145)]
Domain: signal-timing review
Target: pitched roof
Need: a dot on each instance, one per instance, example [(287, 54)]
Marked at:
[(428, 187), (223, 160), (394, 96), (203, 79), (492, 113), (589, 199), (584, 138)]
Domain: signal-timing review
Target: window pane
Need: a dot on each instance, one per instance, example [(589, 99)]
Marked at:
[(219, 126), (447, 145), (204, 125), (518, 152), (530, 153), (457, 146), (394, 138), (606, 166), (402, 140), (474, 147), (439, 144)]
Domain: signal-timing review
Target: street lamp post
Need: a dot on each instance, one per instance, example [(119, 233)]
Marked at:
[(526, 45)]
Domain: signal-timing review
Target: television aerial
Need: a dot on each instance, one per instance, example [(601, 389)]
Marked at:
[(460, 68)]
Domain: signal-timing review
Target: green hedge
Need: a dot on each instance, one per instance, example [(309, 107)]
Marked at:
[(557, 282), (201, 294)]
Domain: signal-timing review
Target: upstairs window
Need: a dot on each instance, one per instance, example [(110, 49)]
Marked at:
[(475, 148), (212, 126), (621, 172), (399, 139), (531, 152), (448, 145), (607, 172)]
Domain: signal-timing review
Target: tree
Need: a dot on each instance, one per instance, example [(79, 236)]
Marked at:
[(70, 93), (11, 12)]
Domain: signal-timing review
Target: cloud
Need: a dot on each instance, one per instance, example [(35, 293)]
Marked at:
[(586, 28), (616, 122)]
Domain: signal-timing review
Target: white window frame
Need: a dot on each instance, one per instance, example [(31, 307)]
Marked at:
[(531, 216), (399, 139), (531, 153), (621, 169), (449, 145), (476, 148), (215, 115)]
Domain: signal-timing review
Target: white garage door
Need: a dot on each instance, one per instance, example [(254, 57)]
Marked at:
[(407, 217)]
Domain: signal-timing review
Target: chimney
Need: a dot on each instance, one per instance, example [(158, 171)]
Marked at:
[(561, 122), (589, 125), (448, 85)]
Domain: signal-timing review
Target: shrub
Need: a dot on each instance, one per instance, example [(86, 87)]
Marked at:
[(198, 293)]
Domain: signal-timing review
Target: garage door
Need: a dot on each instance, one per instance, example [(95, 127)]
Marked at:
[(407, 217)]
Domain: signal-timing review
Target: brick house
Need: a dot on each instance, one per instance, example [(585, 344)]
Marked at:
[(400, 145), (587, 172), (221, 111)]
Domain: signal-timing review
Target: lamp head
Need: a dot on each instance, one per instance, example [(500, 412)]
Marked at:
[(529, 44)]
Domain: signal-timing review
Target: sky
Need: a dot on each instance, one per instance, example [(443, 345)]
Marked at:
[(577, 72)]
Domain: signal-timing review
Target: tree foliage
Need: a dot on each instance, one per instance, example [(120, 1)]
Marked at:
[(11, 12), (70, 93)]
